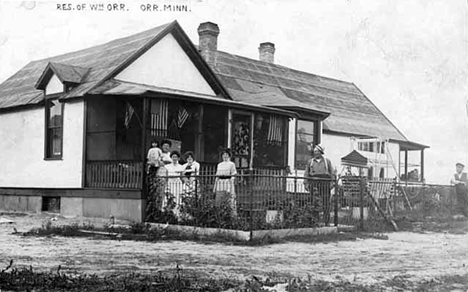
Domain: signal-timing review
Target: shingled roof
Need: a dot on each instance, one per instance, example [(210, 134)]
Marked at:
[(246, 80), (351, 111), (102, 60)]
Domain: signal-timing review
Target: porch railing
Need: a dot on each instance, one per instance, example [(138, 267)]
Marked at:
[(114, 174)]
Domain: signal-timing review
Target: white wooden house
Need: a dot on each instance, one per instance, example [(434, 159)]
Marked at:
[(75, 128)]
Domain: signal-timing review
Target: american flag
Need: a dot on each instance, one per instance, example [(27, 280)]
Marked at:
[(159, 109), (182, 116), (128, 114), (275, 130)]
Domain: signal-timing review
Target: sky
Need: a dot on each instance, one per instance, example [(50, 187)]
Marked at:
[(409, 57)]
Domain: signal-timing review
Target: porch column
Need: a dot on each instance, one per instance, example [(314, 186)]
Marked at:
[(406, 164), (143, 146), (422, 165)]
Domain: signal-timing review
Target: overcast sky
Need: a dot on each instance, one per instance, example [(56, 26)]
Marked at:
[(409, 57)]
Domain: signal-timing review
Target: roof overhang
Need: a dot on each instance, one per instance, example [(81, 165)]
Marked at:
[(410, 146), (124, 88)]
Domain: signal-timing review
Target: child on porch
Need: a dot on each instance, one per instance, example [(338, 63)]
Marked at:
[(154, 158)]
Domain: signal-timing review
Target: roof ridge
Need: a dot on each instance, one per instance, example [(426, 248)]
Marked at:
[(103, 44), (289, 68)]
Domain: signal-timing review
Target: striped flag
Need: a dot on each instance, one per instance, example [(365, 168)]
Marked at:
[(275, 130), (182, 116), (159, 113), (128, 114)]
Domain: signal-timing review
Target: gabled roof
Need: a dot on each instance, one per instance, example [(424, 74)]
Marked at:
[(355, 159), (65, 73), (351, 111), (104, 62)]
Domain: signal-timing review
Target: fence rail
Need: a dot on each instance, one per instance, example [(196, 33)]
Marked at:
[(114, 174)]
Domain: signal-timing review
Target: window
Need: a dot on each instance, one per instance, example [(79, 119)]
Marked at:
[(54, 128), (270, 141), (375, 147), (306, 135)]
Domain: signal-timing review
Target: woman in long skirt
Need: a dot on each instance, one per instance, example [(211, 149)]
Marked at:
[(224, 183)]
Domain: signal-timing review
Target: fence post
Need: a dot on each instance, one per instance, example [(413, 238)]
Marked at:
[(337, 193), (250, 192), (361, 203)]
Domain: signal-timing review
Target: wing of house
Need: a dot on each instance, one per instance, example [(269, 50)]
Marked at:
[(339, 110)]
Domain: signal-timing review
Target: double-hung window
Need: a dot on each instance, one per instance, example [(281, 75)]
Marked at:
[(54, 128), (306, 137)]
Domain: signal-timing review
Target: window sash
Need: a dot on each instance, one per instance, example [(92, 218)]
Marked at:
[(54, 129)]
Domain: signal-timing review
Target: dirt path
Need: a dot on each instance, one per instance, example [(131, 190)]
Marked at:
[(367, 261)]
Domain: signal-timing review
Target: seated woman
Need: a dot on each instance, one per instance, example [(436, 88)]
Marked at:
[(174, 184), (224, 183)]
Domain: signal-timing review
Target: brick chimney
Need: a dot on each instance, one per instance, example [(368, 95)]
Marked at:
[(267, 52), (208, 41)]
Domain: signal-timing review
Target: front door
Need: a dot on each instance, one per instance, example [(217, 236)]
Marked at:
[(241, 139)]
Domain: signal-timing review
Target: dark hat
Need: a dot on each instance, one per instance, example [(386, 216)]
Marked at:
[(460, 164)]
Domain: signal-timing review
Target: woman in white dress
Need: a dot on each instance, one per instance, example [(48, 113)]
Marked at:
[(224, 183), (190, 173), (174, 184)]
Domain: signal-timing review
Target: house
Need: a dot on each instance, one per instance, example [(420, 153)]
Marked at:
[(332, 112), (76, 127)]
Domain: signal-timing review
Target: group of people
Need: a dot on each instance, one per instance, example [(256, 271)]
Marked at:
[(174, 182), (460, 181)]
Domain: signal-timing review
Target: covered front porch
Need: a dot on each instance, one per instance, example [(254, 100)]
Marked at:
[(120, 128)]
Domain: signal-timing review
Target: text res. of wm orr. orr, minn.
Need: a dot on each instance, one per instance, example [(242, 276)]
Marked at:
[(145, 7)]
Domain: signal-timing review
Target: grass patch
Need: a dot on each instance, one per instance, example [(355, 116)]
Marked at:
[(26, 279), (144, 232)]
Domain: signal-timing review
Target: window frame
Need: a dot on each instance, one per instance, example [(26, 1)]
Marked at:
[(317, 124), (48, 99)]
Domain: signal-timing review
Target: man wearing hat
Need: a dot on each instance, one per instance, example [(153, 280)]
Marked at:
[(460, 181), (319, 170)]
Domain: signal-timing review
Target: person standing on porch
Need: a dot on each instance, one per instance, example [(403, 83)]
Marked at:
[(154, 158), (318, 173), (166, 151), (224, 183), (460, 181), (174, 184)]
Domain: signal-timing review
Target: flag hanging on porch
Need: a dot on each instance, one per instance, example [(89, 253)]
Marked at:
[(159, 113), (128, 114), (173, 131), (182, 116), (275, 130)]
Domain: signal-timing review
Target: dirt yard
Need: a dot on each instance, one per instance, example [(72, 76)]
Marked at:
[(419, 256)]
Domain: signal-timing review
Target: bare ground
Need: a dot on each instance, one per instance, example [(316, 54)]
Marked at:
[(420, 256)]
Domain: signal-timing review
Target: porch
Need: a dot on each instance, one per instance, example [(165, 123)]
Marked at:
[(119, 131)]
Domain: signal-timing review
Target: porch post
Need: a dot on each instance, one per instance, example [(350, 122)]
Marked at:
[(144, 187), (422, 165), (406, 166)]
